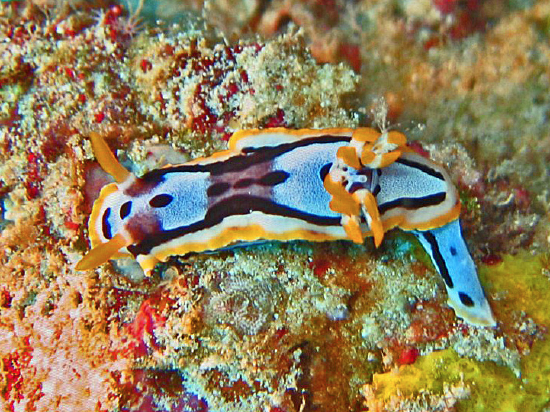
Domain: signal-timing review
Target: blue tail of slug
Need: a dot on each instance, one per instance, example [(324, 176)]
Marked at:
[(451, 258)]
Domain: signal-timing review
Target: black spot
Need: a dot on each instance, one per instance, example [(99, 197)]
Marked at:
[(243, 183), (324, 171), (274, 178), (125, 209), (453, 251), (217, 189), (161, 200), (465, 299), (376, 190), (105, 225)]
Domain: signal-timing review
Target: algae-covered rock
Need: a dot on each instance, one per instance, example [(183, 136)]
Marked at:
[(443, 374)]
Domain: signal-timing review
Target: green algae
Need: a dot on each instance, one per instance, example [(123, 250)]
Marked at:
[(493, 387), (519, 284), (516, 286)]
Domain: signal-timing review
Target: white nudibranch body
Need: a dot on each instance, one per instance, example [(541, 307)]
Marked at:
[(282, 184)]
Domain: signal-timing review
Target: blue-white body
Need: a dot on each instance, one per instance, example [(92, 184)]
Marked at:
[(282, 185)]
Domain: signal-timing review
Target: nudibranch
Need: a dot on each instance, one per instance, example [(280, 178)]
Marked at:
[(281, 184)]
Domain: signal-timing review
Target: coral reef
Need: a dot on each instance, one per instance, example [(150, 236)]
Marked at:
[(247, 304), (274, 327)]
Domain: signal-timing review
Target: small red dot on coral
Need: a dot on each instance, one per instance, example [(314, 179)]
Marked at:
[(522, 198), (277, 120), (280, 333), (232, 88), (445, 6), (408, 356), (71, 225), (491, 259), (99, 117), (320, 267), (5, 299), (431, 43), (69, 72), (145, 65)]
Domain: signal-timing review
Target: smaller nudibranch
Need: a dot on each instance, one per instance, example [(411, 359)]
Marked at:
[(281, 184)]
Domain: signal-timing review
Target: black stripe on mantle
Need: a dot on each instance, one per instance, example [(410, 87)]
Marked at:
[(413, 202), (232, 206), (423, 168), (239, 162)]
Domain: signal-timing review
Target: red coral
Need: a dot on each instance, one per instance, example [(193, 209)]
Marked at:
[(20, 34), (35, 175), (99, 117), (522, 198), (465, 17), (206, 117), (145, 65), (418, 148), (5, 299), (445, 6), (55, 143), (12, 365), (144, 324), (277, 120), (12, 118)]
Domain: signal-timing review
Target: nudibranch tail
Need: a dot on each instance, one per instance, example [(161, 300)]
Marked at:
[(450, 256), (107, 160)]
